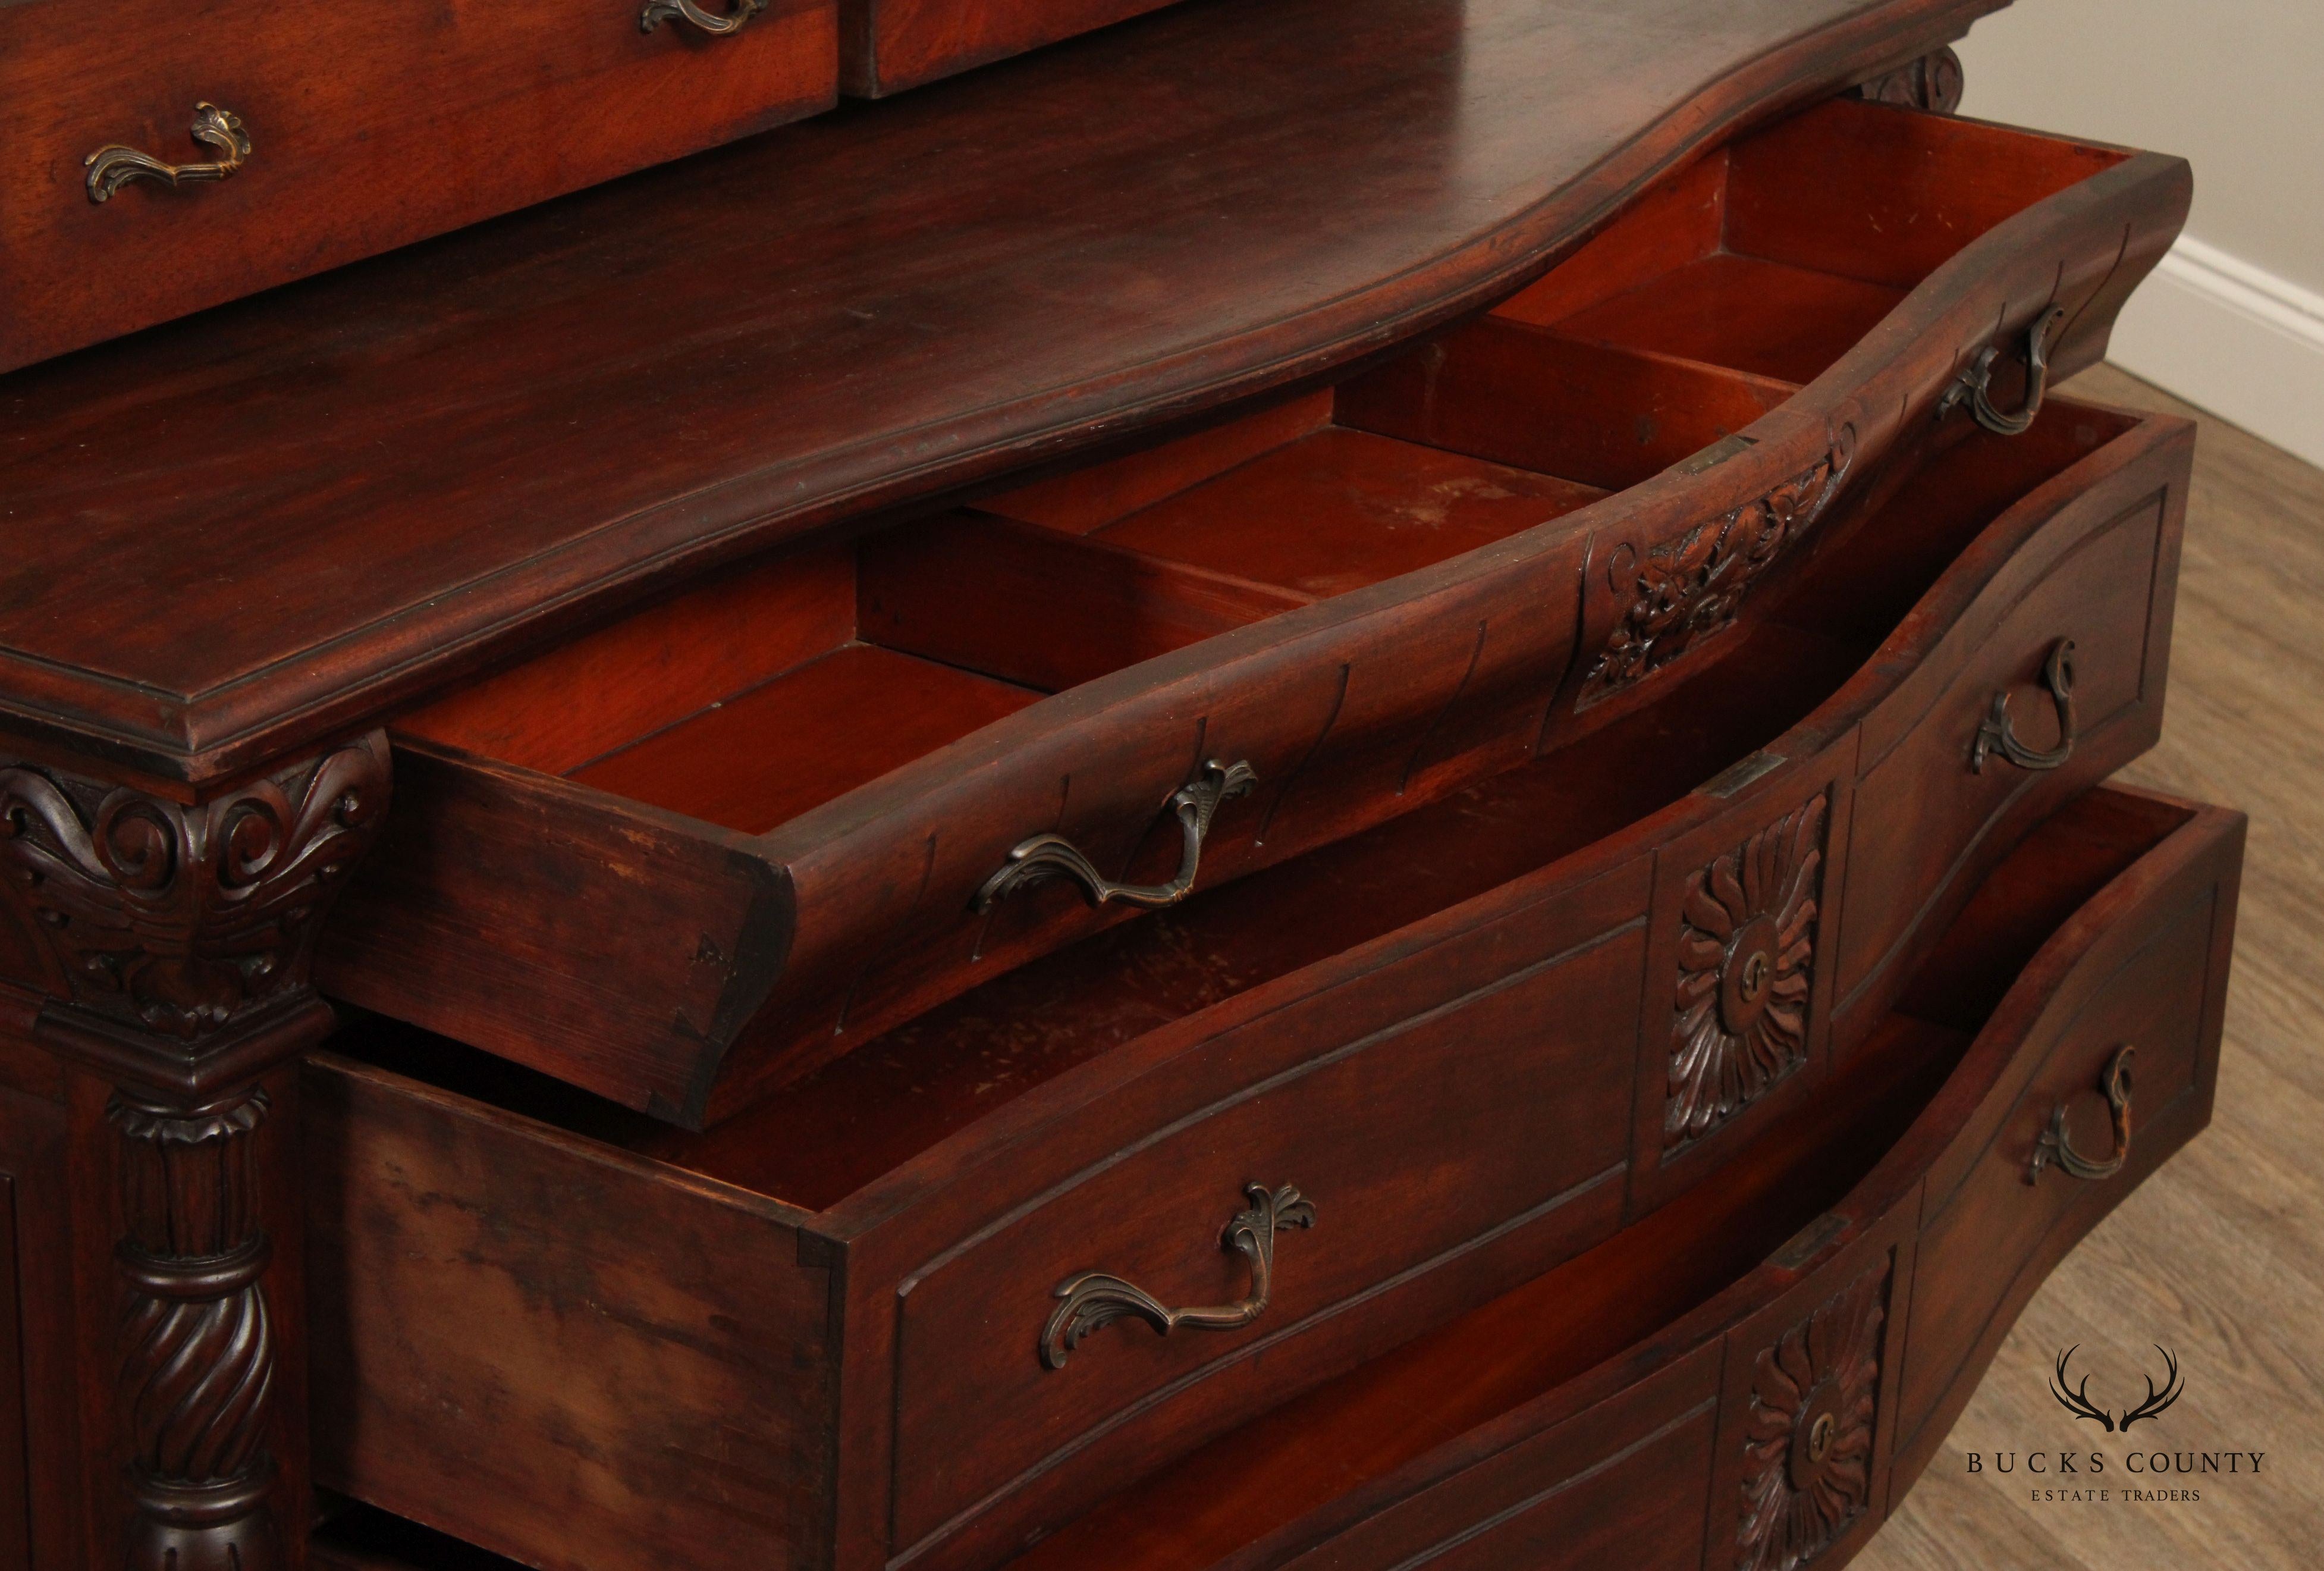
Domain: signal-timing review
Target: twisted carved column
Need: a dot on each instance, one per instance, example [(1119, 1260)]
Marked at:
[(179, 939), (197, 1346)]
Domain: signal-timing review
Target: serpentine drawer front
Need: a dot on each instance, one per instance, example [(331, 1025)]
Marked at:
[(1771, 1401), (169, 154), (868, 778), (1123, 1197)]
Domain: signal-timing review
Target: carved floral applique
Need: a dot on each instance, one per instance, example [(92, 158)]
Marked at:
[(1692, 586), (1746, 953)]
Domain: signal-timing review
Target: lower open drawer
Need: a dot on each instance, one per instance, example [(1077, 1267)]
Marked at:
[(1750, 1374), (1754, 1375)]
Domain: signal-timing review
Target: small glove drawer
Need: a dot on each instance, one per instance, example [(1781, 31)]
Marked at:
[(171, 154)]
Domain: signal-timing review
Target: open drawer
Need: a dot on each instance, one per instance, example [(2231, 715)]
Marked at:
[(1410, 1071), (701, 851), (1755, 1375)]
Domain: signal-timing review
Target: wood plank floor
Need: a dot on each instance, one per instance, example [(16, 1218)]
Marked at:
[(2220, 1255)]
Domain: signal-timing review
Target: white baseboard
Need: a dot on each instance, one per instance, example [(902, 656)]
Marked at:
[(2233, 339)]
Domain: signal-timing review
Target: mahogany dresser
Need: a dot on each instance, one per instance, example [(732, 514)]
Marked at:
[(1316, 783)]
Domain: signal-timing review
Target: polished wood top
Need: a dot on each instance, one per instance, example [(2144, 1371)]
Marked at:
[(232, 536)]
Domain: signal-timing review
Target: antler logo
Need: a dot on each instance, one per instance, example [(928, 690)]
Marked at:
[(2075, 1400)]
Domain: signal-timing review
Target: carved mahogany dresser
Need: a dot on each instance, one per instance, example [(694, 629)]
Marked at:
[(1258, 783)]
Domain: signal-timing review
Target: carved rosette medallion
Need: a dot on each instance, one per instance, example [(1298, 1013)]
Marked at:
[(1746, 959), (1690, 587), (1807, 1441), (177, 919), (1933, 82), (197, 1346)]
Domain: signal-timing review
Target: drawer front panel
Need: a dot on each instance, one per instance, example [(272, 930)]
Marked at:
[(1991, 1232), (1370, 716), (1767, 1419), (1620, 1487), (1939, 796), (1412, 1140), (368, 127)]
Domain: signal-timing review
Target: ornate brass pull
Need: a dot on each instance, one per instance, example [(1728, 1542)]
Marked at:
[(1976, 383), (112, 166), (1998, 734), (2057, 1146), (1097, 1298), (658, 12), (1046, 857)]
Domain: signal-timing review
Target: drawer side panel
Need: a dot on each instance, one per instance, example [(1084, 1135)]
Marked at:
[(566, 1355)]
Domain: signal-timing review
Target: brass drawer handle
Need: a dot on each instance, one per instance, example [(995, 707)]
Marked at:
[(1097, 1298), (1976, 383), (2056, 1146), (112, 166), (1998, 734), (1046, 856), (658, 12)]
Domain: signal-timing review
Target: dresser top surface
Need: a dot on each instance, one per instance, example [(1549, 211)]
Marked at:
[(238, 534)]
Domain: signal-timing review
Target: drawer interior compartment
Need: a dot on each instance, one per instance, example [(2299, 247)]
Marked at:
[(1777, 254), (795, 682), (1440, 1414)]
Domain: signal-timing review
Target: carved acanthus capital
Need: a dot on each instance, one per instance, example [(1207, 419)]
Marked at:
[(181, 920)]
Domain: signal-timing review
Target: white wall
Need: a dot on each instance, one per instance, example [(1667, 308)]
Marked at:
[(2234, 321)]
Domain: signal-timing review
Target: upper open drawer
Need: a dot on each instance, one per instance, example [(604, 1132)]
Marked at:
[(705, 848)]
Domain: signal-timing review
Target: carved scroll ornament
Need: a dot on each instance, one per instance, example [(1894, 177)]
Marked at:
[(1691, 587), (179, 920), (179, 931), (1933, 82)]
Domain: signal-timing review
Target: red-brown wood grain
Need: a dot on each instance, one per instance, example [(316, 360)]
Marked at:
[(1525, 1409), (1416, 1448), (931, 1155), (889, 45), (1346, 508), (370, 126), (1375, 702), (423, 462)]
